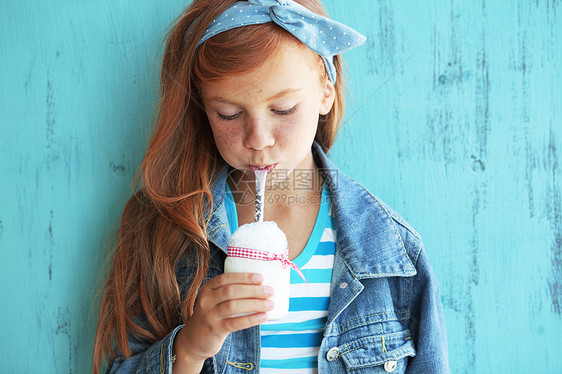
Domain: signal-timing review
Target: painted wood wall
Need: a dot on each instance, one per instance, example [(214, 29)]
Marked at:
[(454, 119)]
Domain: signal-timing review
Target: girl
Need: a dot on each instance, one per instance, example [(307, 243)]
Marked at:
[(253, 85)]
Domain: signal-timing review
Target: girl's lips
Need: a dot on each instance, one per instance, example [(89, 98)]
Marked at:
[(269, 168)]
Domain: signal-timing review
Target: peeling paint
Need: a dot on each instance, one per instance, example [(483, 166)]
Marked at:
[(470, 330), (64, 322), (51, 138), (51, 245), (477, 165), (50, 132), (554, 214), (119, 171), (51, 226)]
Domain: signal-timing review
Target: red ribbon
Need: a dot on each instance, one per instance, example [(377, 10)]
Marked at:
[(254, 254)]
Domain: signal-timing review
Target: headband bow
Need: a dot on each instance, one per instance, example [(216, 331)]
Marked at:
[(322, 35)]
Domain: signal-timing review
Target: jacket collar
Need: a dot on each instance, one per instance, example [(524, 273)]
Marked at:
[(218, 230), (367, 237)]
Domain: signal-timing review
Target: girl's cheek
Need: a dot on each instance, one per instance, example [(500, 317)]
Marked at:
[(226, 134), (293, 122), (287, 132)]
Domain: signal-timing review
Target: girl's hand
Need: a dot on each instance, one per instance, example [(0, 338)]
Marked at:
[(217, 314)]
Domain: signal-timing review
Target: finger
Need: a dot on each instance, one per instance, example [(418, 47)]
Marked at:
[(209, 298), (241, 323), (235, 278), (232, 308), (241, 291)]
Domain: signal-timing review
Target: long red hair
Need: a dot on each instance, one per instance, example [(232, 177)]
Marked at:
[(166, 218)]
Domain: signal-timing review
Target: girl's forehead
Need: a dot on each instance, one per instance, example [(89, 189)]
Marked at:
[(287, 69)]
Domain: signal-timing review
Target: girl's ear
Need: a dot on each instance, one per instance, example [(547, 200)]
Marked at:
[(329, 95)]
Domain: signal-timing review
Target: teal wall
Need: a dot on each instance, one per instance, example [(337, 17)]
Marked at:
[(454, 119)]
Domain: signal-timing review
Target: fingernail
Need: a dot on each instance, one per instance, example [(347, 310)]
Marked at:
[(269, 304), (258, 278), (268, 290), (262, 317)]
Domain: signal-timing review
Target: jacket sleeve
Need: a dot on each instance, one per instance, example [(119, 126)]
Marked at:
[(157, 357), (154, 358), (427, 323)]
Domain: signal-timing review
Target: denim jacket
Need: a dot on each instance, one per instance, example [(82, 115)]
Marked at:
[(384, 315)]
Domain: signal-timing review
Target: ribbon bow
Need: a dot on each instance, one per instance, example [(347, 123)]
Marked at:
[(254, 254), (322, 35)]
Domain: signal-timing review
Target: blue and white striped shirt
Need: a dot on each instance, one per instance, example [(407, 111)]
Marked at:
[(291, 345)]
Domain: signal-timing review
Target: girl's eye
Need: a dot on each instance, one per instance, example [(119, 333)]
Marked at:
[(285, 112), (228, 118)]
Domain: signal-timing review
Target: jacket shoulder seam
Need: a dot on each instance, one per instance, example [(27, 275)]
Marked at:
[(397, 221), (391, 213)]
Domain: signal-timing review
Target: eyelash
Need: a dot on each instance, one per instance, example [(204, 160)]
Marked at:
[(286, 112), (278, 112), (228, 118)]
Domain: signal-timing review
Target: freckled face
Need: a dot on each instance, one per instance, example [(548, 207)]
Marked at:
[(269, 116)]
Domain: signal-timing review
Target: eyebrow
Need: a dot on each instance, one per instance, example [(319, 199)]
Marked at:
[(276, 96), (283, 93)]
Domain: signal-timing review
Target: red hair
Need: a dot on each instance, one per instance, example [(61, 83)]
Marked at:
[(166, 218)]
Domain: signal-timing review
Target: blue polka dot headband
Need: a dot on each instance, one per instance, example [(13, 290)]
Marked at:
[(322, 35)]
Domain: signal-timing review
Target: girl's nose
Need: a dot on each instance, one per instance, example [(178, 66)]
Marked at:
[(258, 134)]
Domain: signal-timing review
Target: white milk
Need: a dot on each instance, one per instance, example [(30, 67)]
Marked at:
[(263, 236), (273, 275)]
